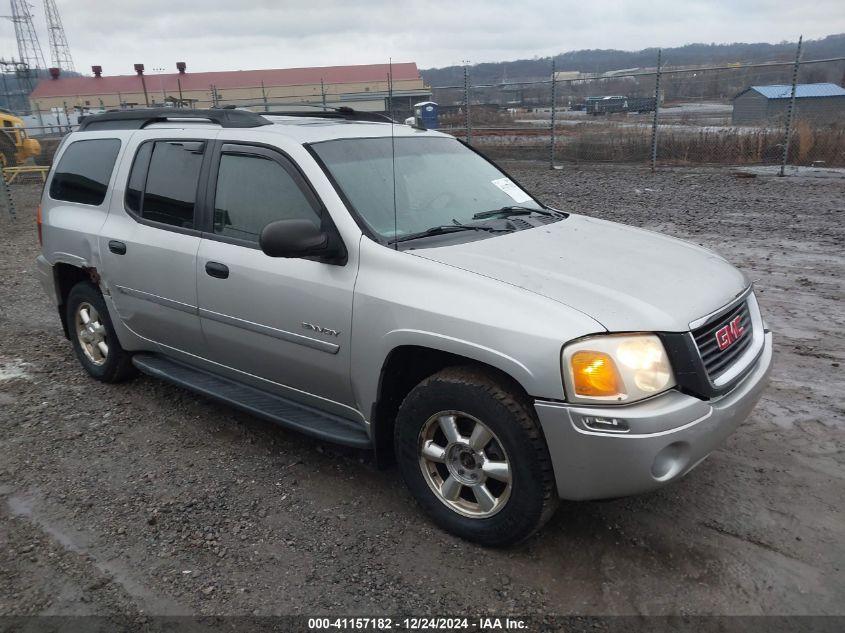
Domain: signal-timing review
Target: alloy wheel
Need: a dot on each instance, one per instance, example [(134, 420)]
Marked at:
[(464, 464), (91, 333)]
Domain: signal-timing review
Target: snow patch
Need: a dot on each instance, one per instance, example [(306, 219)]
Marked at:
[(12, 368)]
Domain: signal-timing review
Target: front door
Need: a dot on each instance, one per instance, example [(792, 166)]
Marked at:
[(286, 321)]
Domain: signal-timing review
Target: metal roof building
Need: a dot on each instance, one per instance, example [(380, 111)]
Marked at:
[(363, 87), (821, 103)]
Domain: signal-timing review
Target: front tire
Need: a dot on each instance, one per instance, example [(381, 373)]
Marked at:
[(93, 336), (471, 452)]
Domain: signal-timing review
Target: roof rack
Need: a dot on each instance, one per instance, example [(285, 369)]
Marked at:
[(343, 112), (142, 117)]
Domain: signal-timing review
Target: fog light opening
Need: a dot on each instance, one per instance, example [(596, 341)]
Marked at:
[(607, 425), (670, 461)]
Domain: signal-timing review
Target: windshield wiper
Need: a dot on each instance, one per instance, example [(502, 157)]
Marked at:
[(509, 210), (448, 228)]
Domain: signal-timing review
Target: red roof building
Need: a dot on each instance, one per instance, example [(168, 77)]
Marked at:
[(363, 87)]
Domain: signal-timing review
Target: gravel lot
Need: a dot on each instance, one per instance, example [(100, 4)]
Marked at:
[(145, 499)]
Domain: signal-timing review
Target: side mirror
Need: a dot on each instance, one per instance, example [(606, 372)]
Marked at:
[(293, 238)]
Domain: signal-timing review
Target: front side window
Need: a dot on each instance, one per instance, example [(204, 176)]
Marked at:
[(404, 186), (84, 171), (253, 191), (163, 182)]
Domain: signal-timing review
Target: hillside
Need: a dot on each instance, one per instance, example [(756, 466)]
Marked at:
[(603, 60)]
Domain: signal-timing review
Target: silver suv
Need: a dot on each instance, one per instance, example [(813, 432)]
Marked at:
[(387, 287)]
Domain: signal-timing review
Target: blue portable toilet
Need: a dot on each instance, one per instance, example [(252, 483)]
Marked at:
[(426, 115)]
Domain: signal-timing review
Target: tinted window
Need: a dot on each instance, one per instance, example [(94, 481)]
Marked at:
[(84, 171), (252, 192), (170, 191), (135, 187)]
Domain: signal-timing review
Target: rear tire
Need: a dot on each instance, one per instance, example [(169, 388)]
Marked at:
[(93, 336), (471, 452)]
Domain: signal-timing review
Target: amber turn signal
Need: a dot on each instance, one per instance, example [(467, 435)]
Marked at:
[(595, 374)]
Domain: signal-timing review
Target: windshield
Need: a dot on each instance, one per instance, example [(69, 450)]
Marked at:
[(439, 182)]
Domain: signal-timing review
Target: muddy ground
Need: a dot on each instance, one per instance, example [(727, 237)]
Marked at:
[(146, 499)]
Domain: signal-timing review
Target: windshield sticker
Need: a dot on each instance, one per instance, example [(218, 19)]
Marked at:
[(508, 186)]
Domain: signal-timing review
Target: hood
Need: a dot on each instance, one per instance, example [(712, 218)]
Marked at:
[(627, 279)]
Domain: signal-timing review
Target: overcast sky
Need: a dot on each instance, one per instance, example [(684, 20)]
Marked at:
[(247, 34)]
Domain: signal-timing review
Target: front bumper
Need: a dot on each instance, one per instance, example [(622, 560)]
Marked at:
[(669, 435)]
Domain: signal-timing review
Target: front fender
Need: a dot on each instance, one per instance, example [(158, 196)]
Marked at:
[(403, 300), (474, 351)]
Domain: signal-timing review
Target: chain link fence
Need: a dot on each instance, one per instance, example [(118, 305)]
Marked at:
[(661, 116), (658, 116)]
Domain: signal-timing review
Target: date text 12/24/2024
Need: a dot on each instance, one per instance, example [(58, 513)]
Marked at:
[(418, 624)]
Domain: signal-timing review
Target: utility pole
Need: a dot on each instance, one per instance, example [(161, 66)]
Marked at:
[(790, 113), (263, 97), (467, 117), (323, 92), (552, 127), (656, 110), (390, 90), (59, 49)]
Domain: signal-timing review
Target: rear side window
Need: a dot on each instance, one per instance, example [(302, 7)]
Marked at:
[(162, 186), (84, 171)]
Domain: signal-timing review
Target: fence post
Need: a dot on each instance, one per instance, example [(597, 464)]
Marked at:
[(323, 92), (466, 106), (390, 91), (552, 128), (790, 113), (656, 110), (7, 196)]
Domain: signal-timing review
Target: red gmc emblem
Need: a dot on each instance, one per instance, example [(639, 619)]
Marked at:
[(725, 336)]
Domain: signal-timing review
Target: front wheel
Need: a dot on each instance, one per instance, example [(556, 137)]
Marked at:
[(472, 454)]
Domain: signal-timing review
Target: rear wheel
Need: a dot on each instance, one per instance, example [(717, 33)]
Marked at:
[(471, 452), (93, 336)]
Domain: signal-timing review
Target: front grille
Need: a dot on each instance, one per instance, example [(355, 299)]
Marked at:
[(717, 361)]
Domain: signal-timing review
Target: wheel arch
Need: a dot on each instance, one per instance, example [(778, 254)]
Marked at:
[(66, 276), (404, 367)]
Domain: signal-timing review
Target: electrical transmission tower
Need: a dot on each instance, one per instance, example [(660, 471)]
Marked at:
[(29, 49), (59, 50)]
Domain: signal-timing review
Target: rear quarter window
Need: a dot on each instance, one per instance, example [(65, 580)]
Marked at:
[(84, 171)]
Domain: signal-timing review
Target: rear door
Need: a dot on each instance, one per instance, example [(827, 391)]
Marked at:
[(150, 241), (287, 321)]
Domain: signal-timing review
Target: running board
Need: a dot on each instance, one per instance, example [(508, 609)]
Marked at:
[(292, 415)]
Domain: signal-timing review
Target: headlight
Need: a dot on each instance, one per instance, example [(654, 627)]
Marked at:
[(616, 368)]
